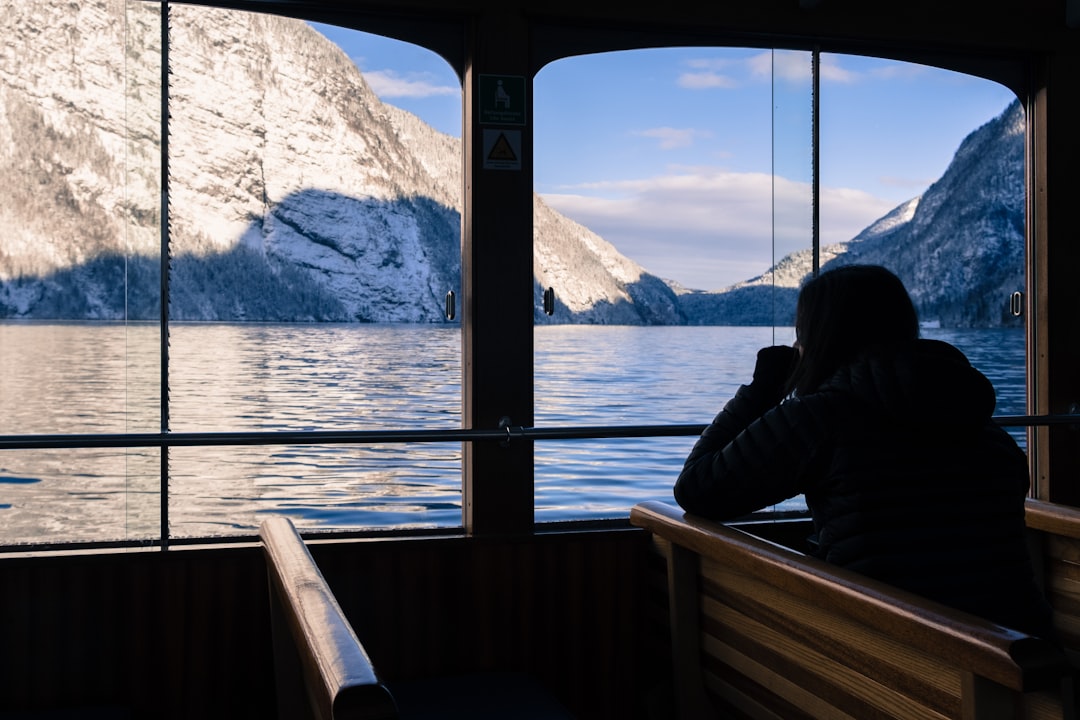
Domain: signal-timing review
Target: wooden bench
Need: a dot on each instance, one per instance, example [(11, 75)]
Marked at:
[(318, 660), (759, 630), (1055, 535), (322, 670)]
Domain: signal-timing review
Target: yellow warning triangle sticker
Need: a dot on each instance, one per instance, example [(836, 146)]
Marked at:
[(501, 150)]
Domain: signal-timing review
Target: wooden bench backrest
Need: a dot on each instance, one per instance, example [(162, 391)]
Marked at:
[(1056, 532), (314, 641), (774, 633)]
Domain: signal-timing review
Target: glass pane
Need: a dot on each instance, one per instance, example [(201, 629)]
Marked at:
[(722, 202), (793, 190), (315, 233), (940, 155), (322, 488), (671, 181), (79, 266), (324, 376)]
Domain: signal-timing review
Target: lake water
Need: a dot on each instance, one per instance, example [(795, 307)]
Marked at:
[(105, 378)]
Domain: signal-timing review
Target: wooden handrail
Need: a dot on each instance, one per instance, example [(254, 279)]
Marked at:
[(340, 678), (1015, 660), (1053, 518)]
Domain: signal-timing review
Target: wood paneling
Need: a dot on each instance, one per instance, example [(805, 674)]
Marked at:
[(186, 634)]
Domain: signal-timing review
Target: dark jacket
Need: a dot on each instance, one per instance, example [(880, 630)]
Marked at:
[(907, 477)]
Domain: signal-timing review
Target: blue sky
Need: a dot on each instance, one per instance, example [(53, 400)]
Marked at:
[(675, 156)]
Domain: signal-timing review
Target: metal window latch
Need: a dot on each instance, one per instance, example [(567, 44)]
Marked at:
[(1016, 303), (451, 306), (549, 301)]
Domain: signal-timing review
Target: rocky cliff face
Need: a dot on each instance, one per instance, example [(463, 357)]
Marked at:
[(294, 194)]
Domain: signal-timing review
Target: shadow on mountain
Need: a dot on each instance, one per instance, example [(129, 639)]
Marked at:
[(746, 305), (241, 285), (315, 257), (319, 235), (652, 302), (234, 285), (107, 287)]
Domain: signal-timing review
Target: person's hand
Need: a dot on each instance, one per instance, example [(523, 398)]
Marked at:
[(774, 366)]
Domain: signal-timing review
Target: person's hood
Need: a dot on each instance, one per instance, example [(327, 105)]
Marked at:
[(925, 380)]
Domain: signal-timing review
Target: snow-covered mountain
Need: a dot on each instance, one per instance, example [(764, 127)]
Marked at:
[(961, 253), (295, 194), (959, 247)]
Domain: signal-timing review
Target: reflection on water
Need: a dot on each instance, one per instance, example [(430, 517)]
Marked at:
[(103, 378), (79, 378)]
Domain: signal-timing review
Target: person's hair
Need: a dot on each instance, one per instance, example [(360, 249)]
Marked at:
[(842, 313)]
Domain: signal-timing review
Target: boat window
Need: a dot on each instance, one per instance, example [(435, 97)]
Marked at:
[(321, 221), (309, 230), (685, 193), (230, 273), (80, 341), (945, 155)]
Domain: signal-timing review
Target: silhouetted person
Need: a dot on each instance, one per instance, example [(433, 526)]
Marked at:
[(890, 439)]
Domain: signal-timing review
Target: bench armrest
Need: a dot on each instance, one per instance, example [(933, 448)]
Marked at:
[(1014, 660), (340, 679), (1052, 518)]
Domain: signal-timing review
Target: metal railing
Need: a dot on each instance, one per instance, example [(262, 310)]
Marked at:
[(505, 433)]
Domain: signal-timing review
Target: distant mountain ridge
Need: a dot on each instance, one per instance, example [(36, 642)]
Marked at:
[(296, 195)]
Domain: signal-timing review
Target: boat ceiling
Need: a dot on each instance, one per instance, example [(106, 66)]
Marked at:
[(990, 38)]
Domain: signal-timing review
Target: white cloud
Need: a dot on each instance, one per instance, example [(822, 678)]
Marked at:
[(705, 80), (391, 84), (709, 229), (832, 72), (671, 138), (784, 65), (789, 65)]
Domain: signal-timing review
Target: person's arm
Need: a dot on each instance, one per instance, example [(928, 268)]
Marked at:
[(750, 456)]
